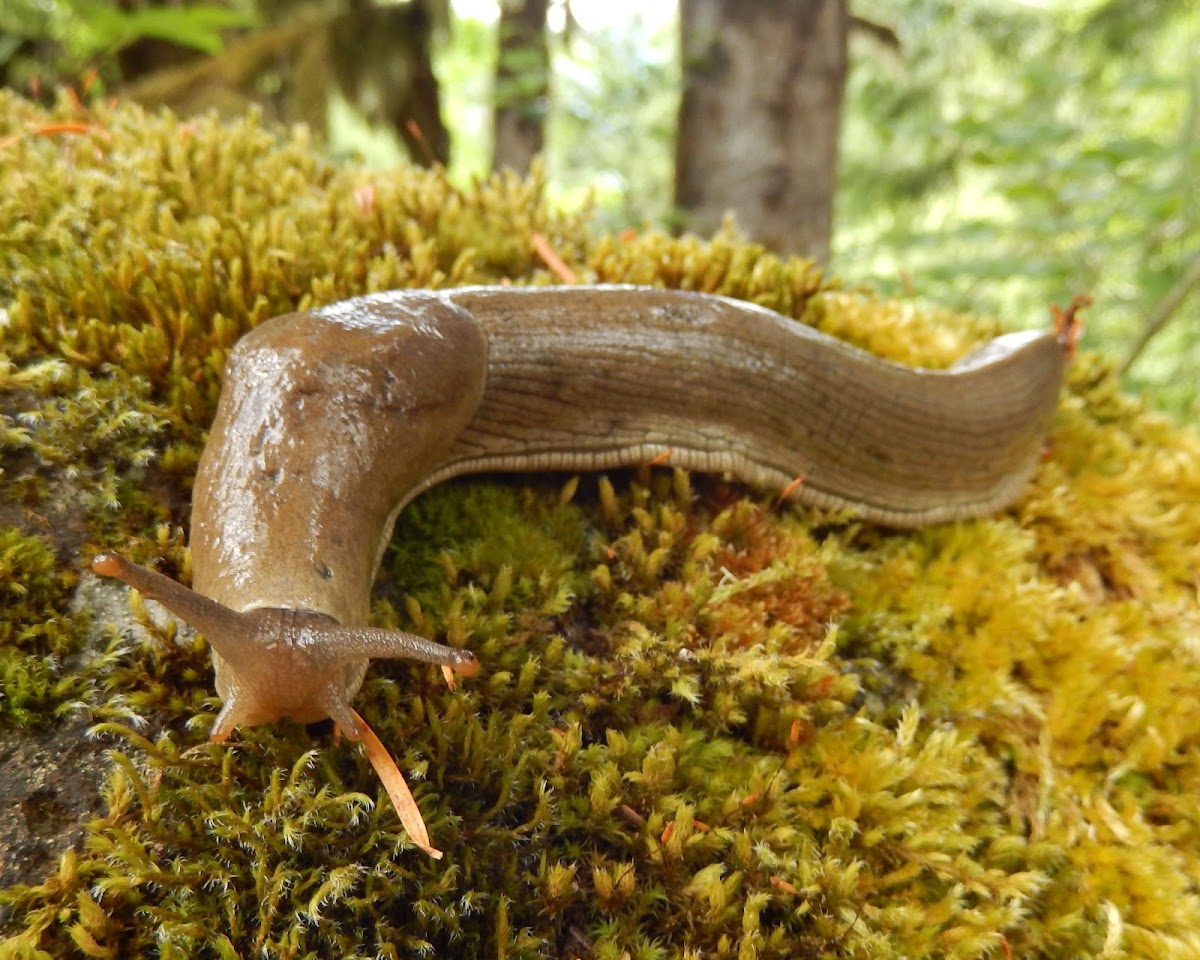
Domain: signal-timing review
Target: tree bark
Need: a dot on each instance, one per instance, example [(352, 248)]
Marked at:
[(383, 63), (759, 118), (378, 55), (522, 84)]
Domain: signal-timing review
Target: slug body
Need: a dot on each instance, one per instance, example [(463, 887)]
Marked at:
[(330, 421)]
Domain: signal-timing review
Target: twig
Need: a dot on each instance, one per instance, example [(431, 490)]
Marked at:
[(550, 257), (879, 32), (1161, 313)]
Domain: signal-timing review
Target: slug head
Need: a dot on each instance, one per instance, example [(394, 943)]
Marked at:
[(284, 663)]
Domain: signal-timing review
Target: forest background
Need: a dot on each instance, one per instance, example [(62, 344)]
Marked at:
[(994, 157)]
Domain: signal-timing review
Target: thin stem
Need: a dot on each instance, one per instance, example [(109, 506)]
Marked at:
[(1161, 313)]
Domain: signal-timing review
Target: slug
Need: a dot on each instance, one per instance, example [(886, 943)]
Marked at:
[(331, 420)]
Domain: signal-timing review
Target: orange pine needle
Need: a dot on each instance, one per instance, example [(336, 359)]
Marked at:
[(53, 129), (397, 789), (49, 129), (788, 491), (413, 129), (541, 246)]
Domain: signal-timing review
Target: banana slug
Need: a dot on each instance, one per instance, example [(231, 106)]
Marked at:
[(331, 420)]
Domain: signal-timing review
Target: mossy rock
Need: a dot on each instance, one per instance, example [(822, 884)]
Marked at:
[(706, 727)]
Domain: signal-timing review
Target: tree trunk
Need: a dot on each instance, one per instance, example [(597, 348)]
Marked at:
[(377, 54), (522, 84), (383, 65), (759, 118)]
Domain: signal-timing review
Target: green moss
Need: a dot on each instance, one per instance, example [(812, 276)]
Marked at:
[(33, 640), (705, 726)]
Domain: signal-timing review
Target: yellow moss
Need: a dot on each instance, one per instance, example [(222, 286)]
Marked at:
[(705, 726), (898, 330)]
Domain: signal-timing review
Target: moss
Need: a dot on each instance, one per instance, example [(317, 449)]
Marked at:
[(33, 589), (705, 726)]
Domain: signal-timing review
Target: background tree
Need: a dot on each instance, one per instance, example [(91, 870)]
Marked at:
[(759, 118), (382, 58), (377, 57), (522, 87)]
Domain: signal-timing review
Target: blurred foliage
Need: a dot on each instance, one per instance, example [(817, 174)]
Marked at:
[(45, 42), (612, 134), (1014, 154), (615, 91)]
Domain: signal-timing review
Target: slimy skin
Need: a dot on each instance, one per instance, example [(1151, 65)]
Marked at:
[(331, 420)]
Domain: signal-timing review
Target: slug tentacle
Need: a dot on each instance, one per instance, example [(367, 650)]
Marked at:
[(286, 663), (225, 628), (355, 643)]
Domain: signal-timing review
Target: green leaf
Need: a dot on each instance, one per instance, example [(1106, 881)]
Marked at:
[(198, 27)]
